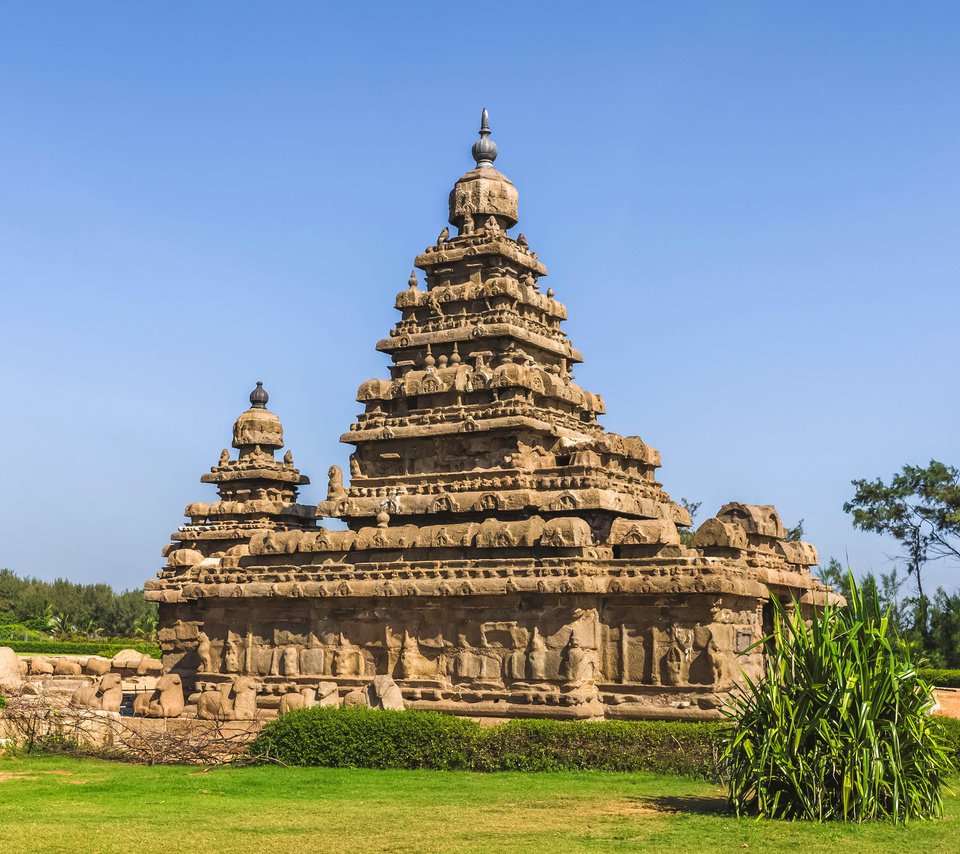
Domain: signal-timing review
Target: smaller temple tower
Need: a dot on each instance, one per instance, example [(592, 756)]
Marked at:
[(257, 494)]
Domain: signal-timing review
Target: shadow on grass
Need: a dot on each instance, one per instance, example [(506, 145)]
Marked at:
[(691, 805)]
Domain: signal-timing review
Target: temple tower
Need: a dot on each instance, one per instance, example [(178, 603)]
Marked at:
[(504, 554), (480, 416)]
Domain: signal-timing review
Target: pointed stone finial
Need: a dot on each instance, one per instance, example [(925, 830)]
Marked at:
[(259, 397), (484, 149)]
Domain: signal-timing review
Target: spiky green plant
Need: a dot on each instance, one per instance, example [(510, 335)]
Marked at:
[(840, 725)]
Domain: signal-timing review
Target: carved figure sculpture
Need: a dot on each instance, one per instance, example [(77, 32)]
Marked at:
[(203, 652), (413, 664), (537, 657), (97, 666), (515, 665), (231, 658), (291, 661), (40, 666), (673, 665), (165, 701), (581, 662), (385, 694), (236, 701), (305, 698), (66, 667), (334, 483), (105, 696), (715, 656), (348, 660)]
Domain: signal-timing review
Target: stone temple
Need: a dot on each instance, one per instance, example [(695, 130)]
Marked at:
[(499, 553)]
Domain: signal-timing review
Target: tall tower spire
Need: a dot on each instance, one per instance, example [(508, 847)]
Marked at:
[(483, 191), (484, 149)]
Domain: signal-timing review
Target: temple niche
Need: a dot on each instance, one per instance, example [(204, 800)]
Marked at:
[(503, 554)]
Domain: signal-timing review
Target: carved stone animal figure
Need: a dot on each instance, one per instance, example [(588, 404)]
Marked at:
[(66, 667), (97, 666), (40, 666), (324, 694), (348, 660), (413, 664), (235, 701), (385, 694), (105, 696), (165, 701), (305, 698)]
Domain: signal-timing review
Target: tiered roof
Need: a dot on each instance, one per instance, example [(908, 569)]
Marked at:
[(480, 417), (256, 492)]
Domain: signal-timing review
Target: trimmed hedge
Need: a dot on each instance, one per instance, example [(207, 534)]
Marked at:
[(950, 730), (939, 677), (666, 747), (106, 649), (372, 738)]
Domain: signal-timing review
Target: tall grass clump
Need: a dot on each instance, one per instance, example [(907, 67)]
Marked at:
[(839, 727)]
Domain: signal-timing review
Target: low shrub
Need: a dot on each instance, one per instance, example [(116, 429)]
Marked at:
[(368, 738), (667, 747), (108, 648), (939, 677)]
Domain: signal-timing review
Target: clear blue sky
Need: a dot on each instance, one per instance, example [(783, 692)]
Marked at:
[(750, 209)]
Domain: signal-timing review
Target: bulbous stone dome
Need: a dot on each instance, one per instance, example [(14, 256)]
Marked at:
[(484, 191), (258, 425)]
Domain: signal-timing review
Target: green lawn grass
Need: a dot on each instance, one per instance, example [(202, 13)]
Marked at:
[(54, 804)]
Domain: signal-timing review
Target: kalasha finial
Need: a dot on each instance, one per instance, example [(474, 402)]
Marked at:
[(484, 149), (259, 397)]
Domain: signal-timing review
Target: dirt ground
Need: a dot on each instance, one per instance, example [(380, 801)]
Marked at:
[(949, 699)]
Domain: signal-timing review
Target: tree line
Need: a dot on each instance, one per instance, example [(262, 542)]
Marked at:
[(64, 608)]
